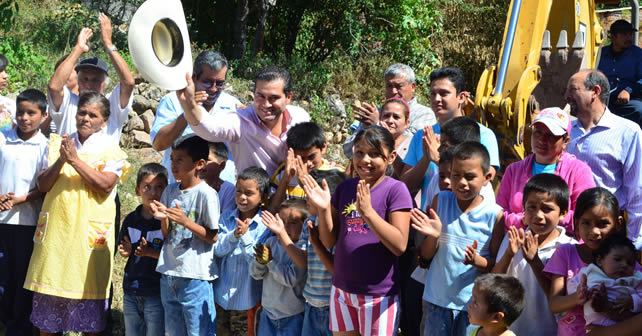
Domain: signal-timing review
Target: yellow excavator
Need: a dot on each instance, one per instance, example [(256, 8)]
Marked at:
[(532, 73)]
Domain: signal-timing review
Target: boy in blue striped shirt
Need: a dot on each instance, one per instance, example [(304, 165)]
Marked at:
[(235, 290), (319, 261)]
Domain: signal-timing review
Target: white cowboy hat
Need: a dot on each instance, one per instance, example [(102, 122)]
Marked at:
[(159, 43)]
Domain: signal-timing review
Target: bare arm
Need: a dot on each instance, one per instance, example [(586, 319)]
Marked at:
[(630, 327), (393, 235), (328, 216), (192, 111), (57, 83), (122, 69), (275, 224), (413, 177), (558, 302), (48, 177), (327, 259), (279, 195), (169, 133), (428, 225)]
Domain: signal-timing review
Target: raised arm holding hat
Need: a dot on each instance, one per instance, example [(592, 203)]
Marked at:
[(92, 76)]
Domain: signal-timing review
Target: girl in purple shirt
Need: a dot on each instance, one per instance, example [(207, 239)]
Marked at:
[(367, 219)]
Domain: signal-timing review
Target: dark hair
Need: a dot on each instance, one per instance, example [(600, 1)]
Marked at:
[(93, 97), (400, 102), (593, 197), (35, 97), (219, 150), (377, 137), (272, 73), (258, 175), (305, 135), (461, 129), (214, 60), (454, 75), (332, 177), (472, 149), (551, 184), (503, 294), (195, 147), (298, 204), (614, 240), (447, 155), (596, 77), (4, 62), (59, 61), (151, 168)]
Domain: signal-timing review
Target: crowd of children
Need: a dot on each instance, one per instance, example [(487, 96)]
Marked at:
[(309, 250)]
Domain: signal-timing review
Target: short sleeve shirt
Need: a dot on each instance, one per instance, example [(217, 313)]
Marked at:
[(362, 264), (184, 254)]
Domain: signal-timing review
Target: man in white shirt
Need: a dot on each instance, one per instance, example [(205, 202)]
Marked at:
[(92, 76)]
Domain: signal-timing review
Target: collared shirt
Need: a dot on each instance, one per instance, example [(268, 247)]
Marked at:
[(420, 116), (20, 163), (613, 150), (624, 69), (65, 117), (250, 141), (169, 108), (235, 289), (294, 190)]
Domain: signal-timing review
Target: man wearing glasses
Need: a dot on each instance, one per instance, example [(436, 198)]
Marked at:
[(210, 71)]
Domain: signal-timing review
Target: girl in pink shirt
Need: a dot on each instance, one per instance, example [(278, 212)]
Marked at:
[(597, 216)]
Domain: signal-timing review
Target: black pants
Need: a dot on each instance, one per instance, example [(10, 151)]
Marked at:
[(16, 245)]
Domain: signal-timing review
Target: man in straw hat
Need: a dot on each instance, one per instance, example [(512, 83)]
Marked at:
[(209, 75), (92, 76)]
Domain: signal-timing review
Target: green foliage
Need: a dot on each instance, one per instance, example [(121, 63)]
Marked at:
[(8, 12), (27, 66), (471, 35)]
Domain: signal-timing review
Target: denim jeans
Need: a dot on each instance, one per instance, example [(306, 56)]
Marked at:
[(316, 321), (143, 315), (440, 321), (287, 326), (189, 306)]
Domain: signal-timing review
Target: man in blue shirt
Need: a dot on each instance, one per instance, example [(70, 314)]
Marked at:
[(209, 75), (621, 62)]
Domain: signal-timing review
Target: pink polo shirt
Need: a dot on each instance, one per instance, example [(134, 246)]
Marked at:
[(249, 140)]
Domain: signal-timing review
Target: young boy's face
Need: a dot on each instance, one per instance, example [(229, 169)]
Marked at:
[(293, 220), (478, 309), (444, 176), (182, 164), (29, 116), (467, 178), (312, 157), (541, 213), (247, 196), (150, 189), (212, 171)]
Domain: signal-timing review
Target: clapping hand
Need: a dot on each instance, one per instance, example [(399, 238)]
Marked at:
[(262, 253), (530, 246), (241, 227), (159, 210), (471, 253), (430, 144), (428, 225), (274, 223), (125, 247), (143, 249), (318, 197)]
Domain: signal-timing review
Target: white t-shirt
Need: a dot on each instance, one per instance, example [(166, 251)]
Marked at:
[(65, 117), (20, 163), (536, 314)]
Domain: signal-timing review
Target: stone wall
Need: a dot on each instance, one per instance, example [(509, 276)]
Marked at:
[(607, 18)]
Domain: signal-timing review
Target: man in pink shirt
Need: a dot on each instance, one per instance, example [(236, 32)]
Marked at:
[(256, 135)]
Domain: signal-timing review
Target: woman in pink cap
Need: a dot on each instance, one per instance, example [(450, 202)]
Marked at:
[(549, 138)]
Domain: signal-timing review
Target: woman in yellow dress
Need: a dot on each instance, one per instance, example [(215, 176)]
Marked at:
[(70, 268)]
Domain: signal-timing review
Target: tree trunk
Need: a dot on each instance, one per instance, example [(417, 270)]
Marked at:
[(239, 33), (263, 7)]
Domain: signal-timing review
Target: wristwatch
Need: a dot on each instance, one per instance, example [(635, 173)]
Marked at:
[(110, 49)]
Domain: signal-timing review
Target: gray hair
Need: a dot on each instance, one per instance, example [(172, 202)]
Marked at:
[(400, 70), (214, 60), (596, 77)]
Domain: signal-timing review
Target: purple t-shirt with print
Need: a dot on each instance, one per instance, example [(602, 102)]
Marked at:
[(362, 264)]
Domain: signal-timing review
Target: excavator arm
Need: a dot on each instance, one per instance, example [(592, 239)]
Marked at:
[(532, 74)]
